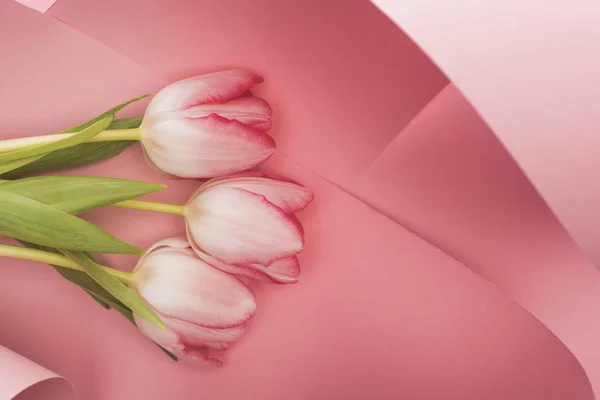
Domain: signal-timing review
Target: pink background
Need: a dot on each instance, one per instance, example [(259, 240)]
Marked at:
[(505, 310), (23, 379)]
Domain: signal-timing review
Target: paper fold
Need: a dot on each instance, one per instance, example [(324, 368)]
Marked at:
[(531, 70), (22, 379), (357, 104)]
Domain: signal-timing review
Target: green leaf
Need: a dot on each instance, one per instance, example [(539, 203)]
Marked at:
[(76, 194), (26, 219), (123, 310), (127, 313), (98, 299), (111, 302), (69, 141), (79, 278), (15, 164), (115, 287), (112, 112), (84, 281), (97, 292), (82, 154), (126, 123)]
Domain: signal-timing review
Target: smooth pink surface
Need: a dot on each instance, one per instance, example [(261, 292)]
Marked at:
[(531, 70), (343, 83), (378, 312), (17, 374), (447, 178)]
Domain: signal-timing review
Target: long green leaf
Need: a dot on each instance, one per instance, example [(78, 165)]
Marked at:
[(112, 112), (96, 291), (26, 219), (82, 154), (69, 141), (127, 313), (98, 299), (121, 308), (79, 278), (115, 287), (84, 281), (76, 194), (15, 164)]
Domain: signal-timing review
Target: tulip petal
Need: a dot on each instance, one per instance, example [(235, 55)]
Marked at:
[(240, 227), (218, 87), (287, 266), (183, 287), (175, 242), (174, 343), (198, 357), (222, 179), (283, 271), (205, 147), (251, 111), (199, 336), (235, 269), (290, 197)]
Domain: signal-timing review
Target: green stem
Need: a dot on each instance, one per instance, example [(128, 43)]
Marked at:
[(106, 136), (177, 209), (56, 259)]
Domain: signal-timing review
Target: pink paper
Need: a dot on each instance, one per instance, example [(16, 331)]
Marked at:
[(344, 83), (38, 5), (531, 70), (379, 313), (21, 379), (448, 178)]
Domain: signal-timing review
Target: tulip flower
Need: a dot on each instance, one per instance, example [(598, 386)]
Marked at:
[(206, 126), (201, 127), (203, 308), (244, 225)]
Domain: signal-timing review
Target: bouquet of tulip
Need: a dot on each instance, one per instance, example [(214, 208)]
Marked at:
[(188, 294)]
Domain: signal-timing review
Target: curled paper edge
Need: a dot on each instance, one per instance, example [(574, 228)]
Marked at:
[(21, 378), (38, 5), (540, 100)]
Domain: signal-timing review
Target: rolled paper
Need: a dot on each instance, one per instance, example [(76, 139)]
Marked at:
[(22, 379), (531, 71)]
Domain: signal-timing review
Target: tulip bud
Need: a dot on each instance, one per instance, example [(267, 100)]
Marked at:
[(203, 308), (246, 226), (207, 126)]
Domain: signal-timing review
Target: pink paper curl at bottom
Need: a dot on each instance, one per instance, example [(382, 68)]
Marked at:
[(22, 379)]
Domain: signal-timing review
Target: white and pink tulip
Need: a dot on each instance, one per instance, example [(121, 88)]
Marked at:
[(209, 125), (245, 225), (205, 310)]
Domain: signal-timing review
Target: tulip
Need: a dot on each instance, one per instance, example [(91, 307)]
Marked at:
[(206, 126), (204, 309), (202, 127), (245, 225)]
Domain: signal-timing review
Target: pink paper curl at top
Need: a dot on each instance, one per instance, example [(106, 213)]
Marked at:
[(38, 5), (531, 70)]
